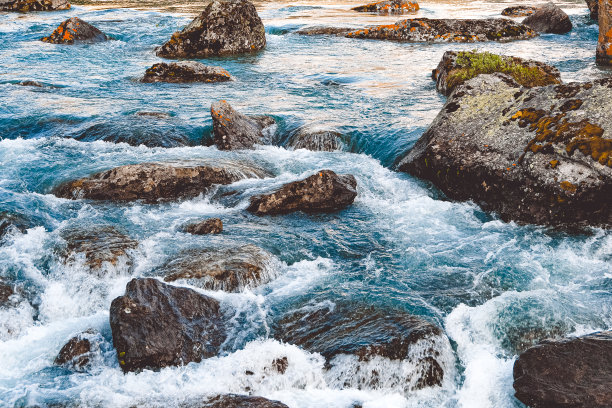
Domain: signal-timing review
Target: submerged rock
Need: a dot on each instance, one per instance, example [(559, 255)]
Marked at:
[(233, 131), (390, 7), (604, 44), (518, 11), (317, 140), (32, 83), (78, 352), (225, 27), (239, 401), (13, 222), (539, 155), (447, 30), (593, 6), (549, 19), (230, 270), (457, 67), (156, 325), (324, 31), (152, 182), (185, 71), (75, 30), (572, 373), (24, 6), (209, 226), (324, 191)]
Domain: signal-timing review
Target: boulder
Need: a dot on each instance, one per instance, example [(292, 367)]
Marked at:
[(324, 191), (184, 72), (539, 155), (75, 30), (230, 270), (371, 339), (225, 27), (25, 6), (233, 131), (447, 30), (571, 373), (153, 182), (604, 44), (549, 19), (155, 325), (390, 7), (593, 6), (317, 140), (238, 401), (518, 11), (208, 226), (78, 352), (457, 67)]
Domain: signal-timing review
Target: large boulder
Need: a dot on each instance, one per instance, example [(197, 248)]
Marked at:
[(237, 401), (457, 67), (390, 7), (75, 30), (549, 19), (324, 191), (604, 44), (184, 72), (316, 140), (155, 325), (208, 226), (593, 6), (152, 182), (518, 11), (447, 30), (540, 155), (24, 6), (230, 270), (225, 27), (570, 373), (367, 347), (233, 131)]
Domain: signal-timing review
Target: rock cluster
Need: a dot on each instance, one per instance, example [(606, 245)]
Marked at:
[(24, 6), (184, 72), (390, 7), (75, 30)]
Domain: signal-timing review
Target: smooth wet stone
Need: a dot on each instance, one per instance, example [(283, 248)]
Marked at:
[(24, 6), (234, 131), (75, 30), (317, 140), (457, 67), (208, 226), (324, 191), (549, 19), (185, 72), (238, 401), (390, 7), (541, 155), (155, 325), (604, 44), (518, 11), (152, 182), (569, 373), (230, 270), (593, 6), (447, 30), (78, 352), (225, 27)]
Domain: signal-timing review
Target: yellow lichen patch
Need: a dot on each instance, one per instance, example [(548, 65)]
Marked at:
[(554, 163), (567, 186)]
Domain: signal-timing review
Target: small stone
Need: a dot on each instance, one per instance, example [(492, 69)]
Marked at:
[(75, 353)]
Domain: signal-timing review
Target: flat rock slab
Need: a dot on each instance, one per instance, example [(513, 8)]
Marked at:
[(155, 325), (25, 6), (390, 7), (234, 131), (541, 155), (75, 30), (572, 373), (185, 72), (549, 19)]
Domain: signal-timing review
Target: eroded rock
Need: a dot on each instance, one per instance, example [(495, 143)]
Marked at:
[(549, 19), (75, 30), (317, 140), (184, 72), (24, 6), (224, 27), (518, 11), (208, 226), (233, 131), (390, 7), (156, 325), (324, 191), (572, 373)]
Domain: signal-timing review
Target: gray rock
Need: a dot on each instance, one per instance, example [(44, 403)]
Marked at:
[(549, 19), (234, 131), (184, 72), (24, 6), (75, 30)]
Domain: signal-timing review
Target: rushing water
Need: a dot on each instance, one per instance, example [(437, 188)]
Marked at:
[(400, 245)]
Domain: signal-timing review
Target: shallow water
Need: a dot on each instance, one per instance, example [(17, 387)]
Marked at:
[(401, 245)]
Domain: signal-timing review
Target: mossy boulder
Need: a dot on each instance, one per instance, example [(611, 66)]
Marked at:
[(457, 67), (184, 72), (549, 19), (541, 155), (390, 7), (25, 6), (74, 30), (518, 11)]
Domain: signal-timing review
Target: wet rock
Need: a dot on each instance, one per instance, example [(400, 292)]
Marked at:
[(593, 6), (224, 27), (6, 291), (604, 44), (156, 325), (156, 115), (447, 30), (24, 6), (570, 373), (324, 191), (77, 353), (358, 340), (549, 19), (390, 7), (317, 140), (230, 270), (31, 83), (539, 155), (75, 30), (342, 31), (13, 222), (153, 182), (239, 401), (457, 67), (184, 72), (518, 11), (209, 226), (233, 131)]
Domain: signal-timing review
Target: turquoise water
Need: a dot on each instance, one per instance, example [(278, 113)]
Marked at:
[(401, 245)]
